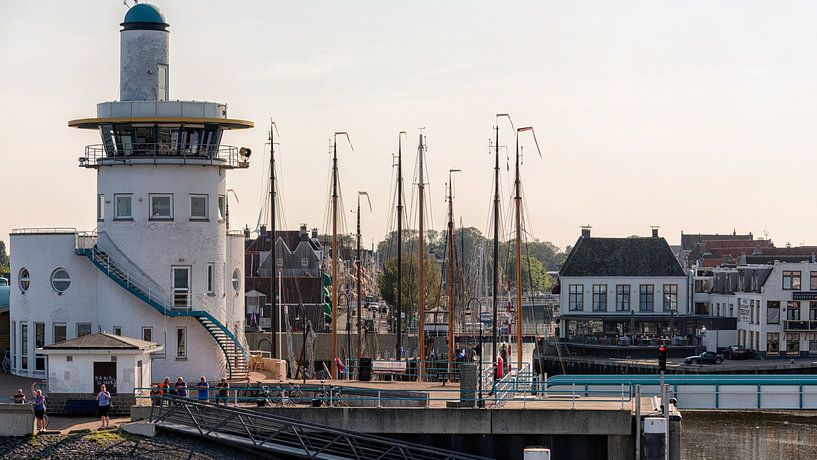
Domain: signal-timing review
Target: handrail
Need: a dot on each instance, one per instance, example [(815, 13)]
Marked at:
[(214, 154), (44, 231), (290, 436)]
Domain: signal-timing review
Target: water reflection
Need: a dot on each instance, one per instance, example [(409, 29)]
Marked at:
[(749, 436)]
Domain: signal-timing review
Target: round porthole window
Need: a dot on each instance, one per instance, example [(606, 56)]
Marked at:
[(236, 280), (24, 279), (60, 280)]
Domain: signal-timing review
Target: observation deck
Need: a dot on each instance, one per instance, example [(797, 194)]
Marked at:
[(223, 156)]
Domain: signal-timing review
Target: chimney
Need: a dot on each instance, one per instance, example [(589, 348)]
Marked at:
[(315, 233), (263, 230), (654, 231), (246, 232), (302, 234), (586, 231)]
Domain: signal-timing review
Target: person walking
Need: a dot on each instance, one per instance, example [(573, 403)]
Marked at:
[(181, 388), (203, 389), (39, 409), (104, 400)]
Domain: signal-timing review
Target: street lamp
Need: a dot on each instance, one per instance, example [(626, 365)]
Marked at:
[(480, 401)]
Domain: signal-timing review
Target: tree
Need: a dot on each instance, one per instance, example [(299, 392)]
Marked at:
[(534, 276), (4, 258), (387, 282)]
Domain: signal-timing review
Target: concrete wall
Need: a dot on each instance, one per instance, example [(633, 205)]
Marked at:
[(140, 53), (16, 420)]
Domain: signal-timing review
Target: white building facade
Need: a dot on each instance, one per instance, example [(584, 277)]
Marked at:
[(162, 264)]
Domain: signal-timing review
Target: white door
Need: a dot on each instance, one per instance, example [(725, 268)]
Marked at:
[(181, 287)]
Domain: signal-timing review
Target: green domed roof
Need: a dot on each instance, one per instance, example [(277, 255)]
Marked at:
[(144, 16)]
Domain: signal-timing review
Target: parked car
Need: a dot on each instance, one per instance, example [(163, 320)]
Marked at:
[(736, 352), (707, 357)]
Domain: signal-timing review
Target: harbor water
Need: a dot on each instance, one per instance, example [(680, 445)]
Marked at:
[(749, 435)]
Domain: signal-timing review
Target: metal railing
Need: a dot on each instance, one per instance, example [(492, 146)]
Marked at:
[(513, 383), (214, 154), (44, 231), (289, 437)]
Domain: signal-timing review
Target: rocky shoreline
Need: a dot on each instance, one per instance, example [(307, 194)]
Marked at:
[(116, 444)]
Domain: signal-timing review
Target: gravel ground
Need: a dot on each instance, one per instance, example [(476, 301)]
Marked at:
[(116, 444)]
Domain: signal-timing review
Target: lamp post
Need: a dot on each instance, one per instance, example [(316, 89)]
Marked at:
[(480, 402)]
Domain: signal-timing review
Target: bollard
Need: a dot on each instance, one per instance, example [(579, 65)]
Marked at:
[(573, 397), (655, 438), (622, 396), (378, 400), (536, 453)]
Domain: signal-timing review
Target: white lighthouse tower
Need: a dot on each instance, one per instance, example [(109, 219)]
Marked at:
[(162, 264)]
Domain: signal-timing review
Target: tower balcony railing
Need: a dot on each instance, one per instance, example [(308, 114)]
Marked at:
[(226, 156)]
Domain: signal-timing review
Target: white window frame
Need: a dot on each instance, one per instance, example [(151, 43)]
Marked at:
[(235, 280), (304, 262), (206, 215), (54, 331), (147, 328), (54, 280), (90, 329), (222, 208), (116, 209), (24, 279), (151, 215), (181, 350), (100, 208), (187, 291), (211, 278)]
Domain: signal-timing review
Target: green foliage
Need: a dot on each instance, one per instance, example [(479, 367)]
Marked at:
[(4, 258), (387, 282)]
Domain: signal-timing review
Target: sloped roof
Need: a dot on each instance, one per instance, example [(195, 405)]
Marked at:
[(102, 341), (648, 256)]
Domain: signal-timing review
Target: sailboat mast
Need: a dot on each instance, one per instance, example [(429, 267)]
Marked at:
[(450, 275), (399, 347), (496, 246), (274, 318), (518, 205), (421, 307), (359, 310), (335, 250)]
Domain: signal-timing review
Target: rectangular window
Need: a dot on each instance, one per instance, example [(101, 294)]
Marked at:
[(670, 297), (791, 280), (576, 297), (222, 208), (599, 297), (304, 262), (39, 342), (24, 345), (14, 344), (83, 329), (117, 330), (181, 342), (147, 334), (812, 343), (622, 297), (813, 281), (751, 311), (161, 206), (181, 286), (123, 207), (772, 343), (198, 207), (100, 207), (812, 311), (792, 342), (211, 278), (60, 333), (772, 312), (793, 311), (646, 297), (161, 83)]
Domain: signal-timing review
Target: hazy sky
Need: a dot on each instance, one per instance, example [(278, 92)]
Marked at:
[(692, 115)]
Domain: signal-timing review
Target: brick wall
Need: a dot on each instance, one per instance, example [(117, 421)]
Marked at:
[(120, 403)]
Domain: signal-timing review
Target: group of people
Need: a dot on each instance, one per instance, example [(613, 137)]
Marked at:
[(180, 389), (103, 398)]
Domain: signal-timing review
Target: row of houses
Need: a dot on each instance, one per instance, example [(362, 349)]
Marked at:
[(712, 292)]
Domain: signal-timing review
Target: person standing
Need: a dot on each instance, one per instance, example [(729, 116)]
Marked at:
[(181, 388), (164, 387), (155, 395), (19, 397), (222, 386), (104, 400), (203, 389), (39, 409)]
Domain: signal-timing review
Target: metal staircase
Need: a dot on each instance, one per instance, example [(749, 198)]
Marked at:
[(111, 261), (283, 437)]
